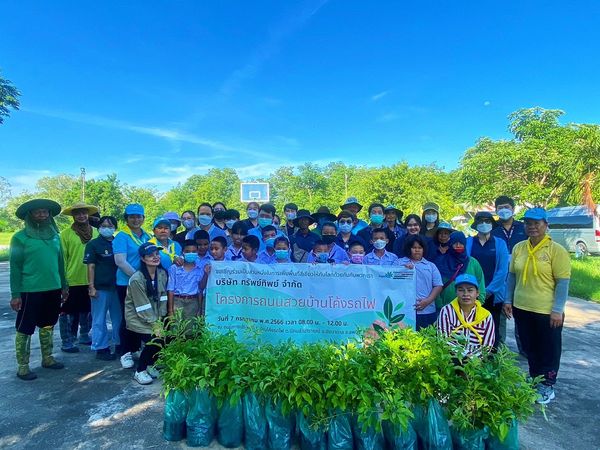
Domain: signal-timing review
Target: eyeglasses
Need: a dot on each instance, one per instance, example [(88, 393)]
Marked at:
[(349, 221)]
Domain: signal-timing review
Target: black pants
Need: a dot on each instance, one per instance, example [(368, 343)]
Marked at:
[(38, 309), (130, 341), (148, 355), (496, 311), (542, 343)]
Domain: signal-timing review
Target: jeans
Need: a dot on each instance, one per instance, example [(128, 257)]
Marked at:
[(130, 341), (425, 320), (105, 302)]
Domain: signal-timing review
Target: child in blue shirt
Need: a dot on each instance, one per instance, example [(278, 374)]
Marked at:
[(183, 290), (380, 256)]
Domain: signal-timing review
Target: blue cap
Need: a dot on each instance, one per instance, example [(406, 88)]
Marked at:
[(134, 208), (147, 248), (466, 278), (172, 215), (536, 214), (160, 220)]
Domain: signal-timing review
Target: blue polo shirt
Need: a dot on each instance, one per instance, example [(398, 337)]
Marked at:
[(513, 236), (486, 256), (388, 259), (366, 233), (337, 255), (305, 242), (124, 244), (258, 233), (264, 258), (233, 254), (359, 226), (213, 232)]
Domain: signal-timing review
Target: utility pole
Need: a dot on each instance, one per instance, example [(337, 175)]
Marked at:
[(346, 183), (83, 184)]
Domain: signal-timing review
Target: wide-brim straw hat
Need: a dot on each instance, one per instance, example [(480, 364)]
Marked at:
[(37, 203)]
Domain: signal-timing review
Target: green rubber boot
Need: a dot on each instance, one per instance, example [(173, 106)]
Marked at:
[(46, 345), (22, 349)]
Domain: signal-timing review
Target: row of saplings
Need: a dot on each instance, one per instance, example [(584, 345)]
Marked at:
[(404, 390)]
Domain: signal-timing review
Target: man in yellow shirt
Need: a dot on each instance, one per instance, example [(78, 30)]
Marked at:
[(537, 290), (76, 310)]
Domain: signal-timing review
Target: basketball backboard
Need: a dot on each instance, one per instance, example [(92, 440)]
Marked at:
[(254, 192)]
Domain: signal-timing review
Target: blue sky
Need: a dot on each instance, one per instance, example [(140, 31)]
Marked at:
[(158, 91)]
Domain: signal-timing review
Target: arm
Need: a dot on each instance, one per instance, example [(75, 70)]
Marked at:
[(498, 284), (121, 262), (475, 269), (489, 336), (62, 262), (91, 271), (561, 271), (204, 280), (17, 256), (511, 283)]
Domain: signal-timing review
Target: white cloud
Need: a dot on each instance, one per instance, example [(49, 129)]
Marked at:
[(377, 97), (487, 103), (388, 117)]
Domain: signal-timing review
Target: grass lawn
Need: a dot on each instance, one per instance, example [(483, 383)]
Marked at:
[(585, 278), (5, 238)]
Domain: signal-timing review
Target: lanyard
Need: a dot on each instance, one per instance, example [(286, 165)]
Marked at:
[(509, 233), (169, 251)]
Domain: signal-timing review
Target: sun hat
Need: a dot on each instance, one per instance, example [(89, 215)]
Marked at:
[(161, 221), (536, 214), (134, 208), (351, 201), (91, 209), (483, 215), (37, 203), (431, 205), (172, 215), (303, 214), (324, 213), (147, 248), (466, 278)]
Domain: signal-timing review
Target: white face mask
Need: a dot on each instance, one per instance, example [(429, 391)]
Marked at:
[(379, 244), (484, 228)]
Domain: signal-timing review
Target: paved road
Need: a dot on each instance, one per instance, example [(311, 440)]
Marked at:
[(96, 405)]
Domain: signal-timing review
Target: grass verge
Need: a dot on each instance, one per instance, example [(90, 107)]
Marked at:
[(585, 278)]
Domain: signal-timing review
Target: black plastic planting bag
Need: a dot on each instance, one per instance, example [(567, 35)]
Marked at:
[(201, 419), (230, 424), (469, 440), (369, 439), (432, 427), (398, 439), (176, 409), (510, 443), (280, 427), (255, 424), (310, 439), (339, 435)]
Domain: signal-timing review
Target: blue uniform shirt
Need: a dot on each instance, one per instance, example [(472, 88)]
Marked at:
[(258, 233), (513, 236), (124, 244), (336, 255), (213, 232), (233, 254), (184, 282), (339, 240), (388, 259), (264, 258)]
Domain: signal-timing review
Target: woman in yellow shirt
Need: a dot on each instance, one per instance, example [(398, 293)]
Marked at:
[(537, 290)]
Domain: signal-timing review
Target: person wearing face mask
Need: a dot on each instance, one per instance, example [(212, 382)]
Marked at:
[(205, 222), (430, 218), (234, 251), (252, 213), (267, 256), (413, 226), (37, 282), (492, 254), (127, 258), (454, 263), (334, 253), (232, 216), (220, 215), (188, 220), (511, 231), (266, 213), (345, 237), (290, 210), (439, 241), (75, 312), (353, 206), (171, 250), (175, 222), (282, 250), (356, 252), (303, 240), (102, 288), (393, 222), (183, 292), (379, 256), (377, 218)]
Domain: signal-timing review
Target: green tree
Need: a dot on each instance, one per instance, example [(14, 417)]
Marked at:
[(9, 98)]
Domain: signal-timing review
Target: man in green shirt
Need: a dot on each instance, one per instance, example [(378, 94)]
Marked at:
[(37, 282), (75, 313)]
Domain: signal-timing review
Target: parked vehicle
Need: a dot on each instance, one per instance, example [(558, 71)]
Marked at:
[(576, 228)]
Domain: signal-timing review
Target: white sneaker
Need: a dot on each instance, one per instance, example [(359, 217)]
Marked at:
[(152, 371), (142, 377), (127, 361)]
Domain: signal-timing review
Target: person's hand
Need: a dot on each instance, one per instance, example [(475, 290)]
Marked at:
[(178, 261), (556, 319), (65, 294), (92, 292), (15, 304), (422, 303), (207, 269), (507, 309)]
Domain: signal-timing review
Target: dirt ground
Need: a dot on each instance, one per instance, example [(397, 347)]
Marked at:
[(96, 405)]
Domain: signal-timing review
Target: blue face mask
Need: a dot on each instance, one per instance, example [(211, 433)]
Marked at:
[(282, 254), (377, 219), (264, 221), (188, 224), (253, 213), (345, 227), (290, 216), (270, 243), (229, 223), (190, 257), (484, 228), (322, 257), (204, 219), (505, 214), (106, 231), (431, 218)]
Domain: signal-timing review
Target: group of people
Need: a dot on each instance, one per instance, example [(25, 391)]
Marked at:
[(138, 275)]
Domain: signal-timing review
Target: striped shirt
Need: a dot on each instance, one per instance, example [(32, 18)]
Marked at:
[(448, 322)]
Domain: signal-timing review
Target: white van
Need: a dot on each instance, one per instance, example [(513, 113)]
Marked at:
[(576, 228)]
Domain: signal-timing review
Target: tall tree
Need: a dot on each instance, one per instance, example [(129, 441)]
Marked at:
[(9, 98)]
